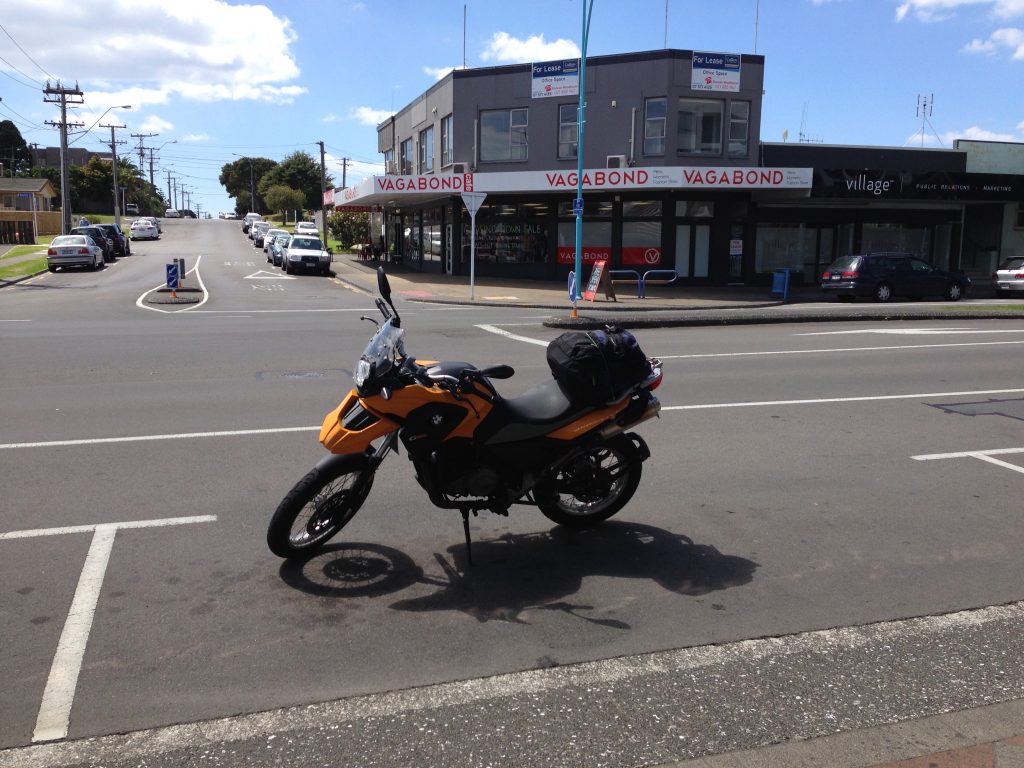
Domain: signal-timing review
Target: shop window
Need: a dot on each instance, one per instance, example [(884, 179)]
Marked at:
[(693, 243), (508, 240), (633, 209), (503, 134), (641, 244), (896, 237), (427, 150), (568, 131), (695, 209), (447, 156), (700, 126), (784, 246), (406, 158), (1019, 220), (655, 111), (739, 128), (591, 208), (534, 210), (597, 242)]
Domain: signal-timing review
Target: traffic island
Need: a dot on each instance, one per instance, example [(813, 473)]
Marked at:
[(177, 296)]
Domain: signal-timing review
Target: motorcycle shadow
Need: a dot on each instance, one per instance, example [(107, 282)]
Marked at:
[(518, 572)]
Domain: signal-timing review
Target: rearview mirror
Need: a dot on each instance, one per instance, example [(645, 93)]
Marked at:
[(383, 286)]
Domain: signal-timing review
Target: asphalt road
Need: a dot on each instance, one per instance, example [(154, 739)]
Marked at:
[(803, 477)]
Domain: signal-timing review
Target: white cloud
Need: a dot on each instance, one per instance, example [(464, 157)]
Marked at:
[(1008, 38), (193, 137), (941, 10), (206, 50), (369, 116), (505, 48), (975, 133), (154, 124), (438, 72)]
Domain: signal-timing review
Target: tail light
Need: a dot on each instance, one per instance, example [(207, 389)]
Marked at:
[(824, 275), (83, 251), (852, 274), (1019, 276), (51, 252)]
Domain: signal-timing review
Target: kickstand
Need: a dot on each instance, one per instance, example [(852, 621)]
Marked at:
[(469, 543)]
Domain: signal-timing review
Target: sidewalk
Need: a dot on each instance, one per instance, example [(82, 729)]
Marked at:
[(664, 306)]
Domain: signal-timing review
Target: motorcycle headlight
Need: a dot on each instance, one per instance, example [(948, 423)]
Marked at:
[(363, 370)]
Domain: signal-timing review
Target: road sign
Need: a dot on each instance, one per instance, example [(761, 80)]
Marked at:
[(577, 206), (172, 276), (572, 286), (473, 201)]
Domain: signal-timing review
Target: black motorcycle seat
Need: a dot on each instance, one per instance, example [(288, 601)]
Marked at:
[(542, 404)]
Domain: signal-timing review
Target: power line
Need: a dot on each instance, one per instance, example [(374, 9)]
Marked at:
[(26, 54), (33, 86)]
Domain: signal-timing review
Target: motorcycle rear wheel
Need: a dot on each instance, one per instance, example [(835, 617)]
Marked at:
[(319, 506), (592, 487)]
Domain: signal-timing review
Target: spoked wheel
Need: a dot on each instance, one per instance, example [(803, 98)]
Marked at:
[(319, 506), (592, 487), (883, 292)]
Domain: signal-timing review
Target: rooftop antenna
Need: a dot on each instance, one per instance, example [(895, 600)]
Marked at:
[(463, 35), (924, 111)]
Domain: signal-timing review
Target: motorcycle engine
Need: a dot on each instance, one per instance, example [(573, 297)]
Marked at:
[(461, 472)]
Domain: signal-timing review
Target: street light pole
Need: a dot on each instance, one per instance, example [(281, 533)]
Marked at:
[(588, 8)]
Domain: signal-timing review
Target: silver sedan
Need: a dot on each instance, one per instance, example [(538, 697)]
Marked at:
[(74, 251)]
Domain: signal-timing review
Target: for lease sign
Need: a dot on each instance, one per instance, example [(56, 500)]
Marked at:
[(556, 78), (715, 72)]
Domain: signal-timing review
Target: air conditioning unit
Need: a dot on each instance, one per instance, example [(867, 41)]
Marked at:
[(615, 161), (460, 168)]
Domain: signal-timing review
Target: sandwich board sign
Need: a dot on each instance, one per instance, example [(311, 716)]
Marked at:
[(599, 277)]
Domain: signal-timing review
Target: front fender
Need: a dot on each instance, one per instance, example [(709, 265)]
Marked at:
[(351, 428)]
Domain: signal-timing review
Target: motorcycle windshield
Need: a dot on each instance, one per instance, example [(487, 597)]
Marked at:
[(384, 349)]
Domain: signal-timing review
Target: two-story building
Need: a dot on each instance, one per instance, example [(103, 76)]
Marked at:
[(676, 177)]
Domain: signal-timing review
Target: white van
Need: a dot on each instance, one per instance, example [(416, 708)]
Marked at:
[(248, 220)]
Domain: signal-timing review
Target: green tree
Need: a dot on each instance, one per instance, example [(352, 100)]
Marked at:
[(349, 228), (235, 177), (281, 198), (14, 154), (299, 171)]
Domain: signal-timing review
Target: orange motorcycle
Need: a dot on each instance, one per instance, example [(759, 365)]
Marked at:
[(555, 447)]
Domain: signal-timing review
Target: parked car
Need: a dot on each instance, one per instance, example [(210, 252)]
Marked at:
[(156, 223), (99, 236), (886, 274), (131, 209), (305, 252), (269, 235), (74, 251), (256, 231), (172, 213), (121, 245), (276, 247), (306, 228), (143, 229), (248, 220), (1009, 276)]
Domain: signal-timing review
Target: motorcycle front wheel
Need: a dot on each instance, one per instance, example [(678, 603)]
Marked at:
[(593, 486), (319, 506)]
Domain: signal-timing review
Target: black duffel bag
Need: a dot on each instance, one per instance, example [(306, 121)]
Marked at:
[(595, 367)]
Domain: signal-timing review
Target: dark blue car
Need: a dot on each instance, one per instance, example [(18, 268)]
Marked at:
[(885, 275)]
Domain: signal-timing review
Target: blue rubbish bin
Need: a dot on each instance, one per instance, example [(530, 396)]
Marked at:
[(780, 283)]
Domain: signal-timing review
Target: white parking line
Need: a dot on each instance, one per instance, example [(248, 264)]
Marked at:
[(59, 694), (824, 400), (145, 438), (986, 456), (836, 350), (508, 335)]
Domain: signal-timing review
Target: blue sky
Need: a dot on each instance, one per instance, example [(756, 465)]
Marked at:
[(214, 79)]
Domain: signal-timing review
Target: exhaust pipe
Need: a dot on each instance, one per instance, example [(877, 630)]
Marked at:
[(635, 413)]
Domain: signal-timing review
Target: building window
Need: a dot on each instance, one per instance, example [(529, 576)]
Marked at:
[(406, 160), (1019, 221), (427, 150), (700, 126), (568, 131), (739, 128), (654, 126), (446, 141), (389, 162), (503, 134)]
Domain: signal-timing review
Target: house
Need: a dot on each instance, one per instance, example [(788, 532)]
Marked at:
[(26, 210)]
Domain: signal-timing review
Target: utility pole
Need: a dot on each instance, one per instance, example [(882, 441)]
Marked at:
[(60, 95), (142, 149), (113, 157), (344, 172), (168, 186), (323, 193)]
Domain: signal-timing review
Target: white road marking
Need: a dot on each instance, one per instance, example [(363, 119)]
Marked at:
[(912, 331), (15, 321), (508, 335), (825, 400), (146, 438), (835, 350), (264, 275), (140, 302), (986, 456), (59, 694)]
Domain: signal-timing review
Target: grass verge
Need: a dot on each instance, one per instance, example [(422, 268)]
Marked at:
[(22, 268), (22, 250), (989, 308)]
